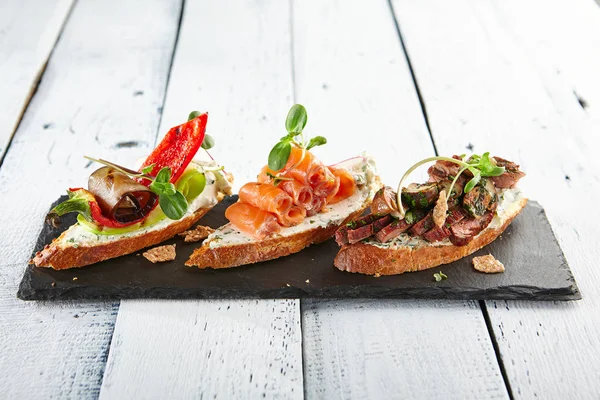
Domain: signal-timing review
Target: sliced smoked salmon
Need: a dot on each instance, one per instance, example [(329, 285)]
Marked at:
[(251, 220), (294, 216), (267, 197), (347, 185), (301, 194)]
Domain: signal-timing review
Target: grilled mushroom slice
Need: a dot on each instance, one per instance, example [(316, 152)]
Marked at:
[(420, 195), (481, 199)]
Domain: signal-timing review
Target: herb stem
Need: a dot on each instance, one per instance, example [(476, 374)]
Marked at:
[(119, 168), (401, 211)]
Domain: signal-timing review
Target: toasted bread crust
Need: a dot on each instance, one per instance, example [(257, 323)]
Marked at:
[(263, 250), (268, 249), (372, 260), (60, 255)]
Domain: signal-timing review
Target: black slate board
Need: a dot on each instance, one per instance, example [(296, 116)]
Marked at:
[(536, 269)]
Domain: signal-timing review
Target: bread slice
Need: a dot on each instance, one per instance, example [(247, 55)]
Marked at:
[(78, 247), (371, 258), (228, 247)]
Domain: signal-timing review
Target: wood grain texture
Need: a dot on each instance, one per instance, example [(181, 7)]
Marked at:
[(389, 349), (351, 74), (28, 32), (225, 349), (85, 104), (501, 78), (200, 349)]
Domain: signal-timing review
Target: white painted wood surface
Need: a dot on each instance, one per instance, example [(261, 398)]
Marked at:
[(351, 73), (86, 102), (28, 32), (519, 79), (494, 77), (221, 349)]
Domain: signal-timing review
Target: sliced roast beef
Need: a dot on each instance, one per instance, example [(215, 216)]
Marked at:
[(436, 234), (464, 231), (358, 234), (420, 195), (341, 236), (382, 223), (423, 225), (392, 230), (368, 230), (455, 214), (384, 201), (510, 177)]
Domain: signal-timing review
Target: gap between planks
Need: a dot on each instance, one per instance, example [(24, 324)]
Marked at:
[(36, 79), (422, 102)]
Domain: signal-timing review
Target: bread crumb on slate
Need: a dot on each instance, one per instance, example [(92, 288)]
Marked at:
[(160, 254), (197, 234), (75, 278), (488, 264)]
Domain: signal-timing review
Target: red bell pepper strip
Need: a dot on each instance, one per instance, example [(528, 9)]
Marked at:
[(84, 203), (178, 148)]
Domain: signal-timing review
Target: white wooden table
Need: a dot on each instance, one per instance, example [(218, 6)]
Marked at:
[(402, 80)]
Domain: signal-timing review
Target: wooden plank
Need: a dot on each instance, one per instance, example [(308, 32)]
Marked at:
[(28, 32), (357, 88), (502, 79), (205, 349), (229, 349), (89, 102)]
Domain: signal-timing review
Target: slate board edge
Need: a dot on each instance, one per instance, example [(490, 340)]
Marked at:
[(83, 292)]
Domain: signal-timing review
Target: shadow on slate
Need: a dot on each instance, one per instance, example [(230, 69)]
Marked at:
[(536, 269)]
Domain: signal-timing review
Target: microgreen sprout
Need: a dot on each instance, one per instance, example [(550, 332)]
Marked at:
[(294, 124), (479, 166), (438, 276)]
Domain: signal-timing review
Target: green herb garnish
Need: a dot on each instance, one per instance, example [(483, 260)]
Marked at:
[(294, 125), (480, 166), (438, 276), (172, 202)]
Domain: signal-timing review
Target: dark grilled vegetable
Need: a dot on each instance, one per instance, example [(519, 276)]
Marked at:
[(481, 199), (420, 195), (120, 197), (384, 201)]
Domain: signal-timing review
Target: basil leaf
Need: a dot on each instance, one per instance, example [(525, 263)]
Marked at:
[(208, 142), (161, 188), (296, 119), (279, 155), (148, 169), (473, 182), (316, 141), (173, 205), (194, 114), (164, 175)]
